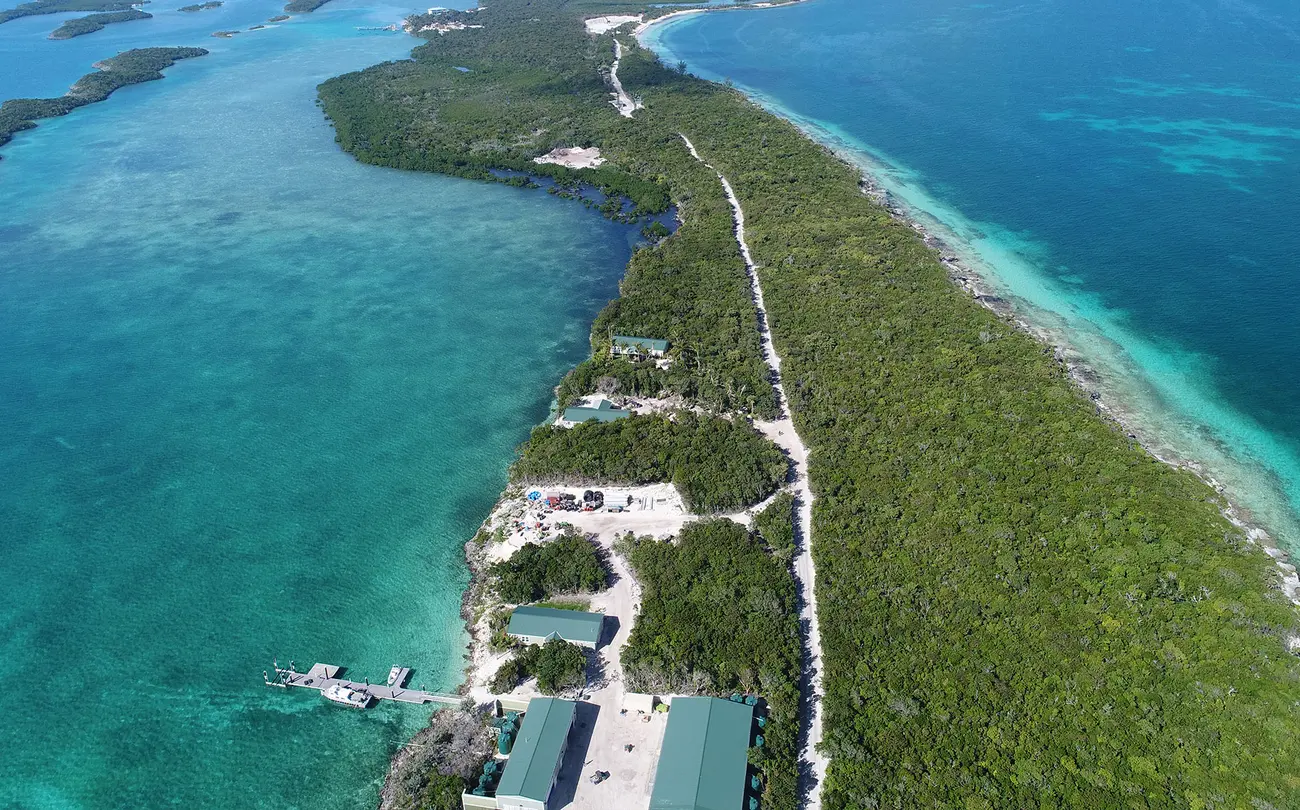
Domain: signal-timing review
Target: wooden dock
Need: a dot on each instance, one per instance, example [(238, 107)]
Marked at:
[(322, 676)]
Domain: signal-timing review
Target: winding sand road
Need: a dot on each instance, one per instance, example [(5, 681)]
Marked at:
[(782, 432), (624, 103)]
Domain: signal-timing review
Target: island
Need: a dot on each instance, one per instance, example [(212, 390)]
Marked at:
[(279, 18), (96, 22), (129, 67), (202, 6), (968, 586), (61, 6), (304, 6)]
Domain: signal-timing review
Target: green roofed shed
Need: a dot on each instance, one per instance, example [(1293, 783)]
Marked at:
[(537, 625), (705, 756), (626, 344), (603, 412), (535, 761)]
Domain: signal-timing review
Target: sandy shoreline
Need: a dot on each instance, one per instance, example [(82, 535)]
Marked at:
[(648, 24)]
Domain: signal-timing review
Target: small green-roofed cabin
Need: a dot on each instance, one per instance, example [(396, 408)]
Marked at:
[(538, 625), (628, 346), (534, 762), (603, 412), (705, 756)]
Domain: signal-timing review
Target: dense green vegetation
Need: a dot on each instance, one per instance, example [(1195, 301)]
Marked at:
[(128, 67), (96, 22), (1019, 607), (775, 524), (716, 464), (211, 4), (718, 615), (569, 564), (558, 666), (60, 6)]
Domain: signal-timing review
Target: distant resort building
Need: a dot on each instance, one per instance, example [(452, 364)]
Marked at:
[(534, 763), (601, 412), (705, 756), (637, 347), (538, 625)]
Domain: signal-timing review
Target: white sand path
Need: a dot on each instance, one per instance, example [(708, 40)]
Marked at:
[(782, 432), (631, 773), (624, 103)]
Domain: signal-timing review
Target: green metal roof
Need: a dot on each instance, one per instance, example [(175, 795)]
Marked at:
[(570, 625), (537, 751), (603, 412), (649, 344), (704, 758)]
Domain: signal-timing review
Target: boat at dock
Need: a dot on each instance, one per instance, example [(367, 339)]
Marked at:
[(356, 698), (326, 679)]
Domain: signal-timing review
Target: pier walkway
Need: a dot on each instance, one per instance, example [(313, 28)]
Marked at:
[(322, 676)]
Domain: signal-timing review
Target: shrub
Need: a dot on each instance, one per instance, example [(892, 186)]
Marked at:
[(568, 564), (557, 665)]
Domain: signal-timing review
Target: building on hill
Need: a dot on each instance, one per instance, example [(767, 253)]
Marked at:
[(538, 625), (601, 412), (534, 763), (705, 756), (637, 347)]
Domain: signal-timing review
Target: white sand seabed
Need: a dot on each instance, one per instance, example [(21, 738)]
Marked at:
[(574, 157)]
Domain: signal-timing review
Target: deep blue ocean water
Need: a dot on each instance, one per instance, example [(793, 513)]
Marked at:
[(255, 398), (1129, 171)]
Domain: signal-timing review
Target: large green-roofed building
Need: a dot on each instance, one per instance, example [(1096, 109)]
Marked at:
[(602, 412), (538, 625), (705, 756), (535, 761)]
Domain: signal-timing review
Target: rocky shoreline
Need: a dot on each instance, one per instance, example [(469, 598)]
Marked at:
[(1089, 378)]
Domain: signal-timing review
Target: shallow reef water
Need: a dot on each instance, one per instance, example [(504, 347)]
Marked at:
[(256, 398)]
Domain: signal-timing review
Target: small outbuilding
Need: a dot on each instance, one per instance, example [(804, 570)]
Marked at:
[(602, 411), (534, 762), (705, 756), (628, 346), (538, 625), (636, 702)]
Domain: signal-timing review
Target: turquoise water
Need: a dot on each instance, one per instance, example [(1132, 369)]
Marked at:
[(1127, 171), (256, 397)]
